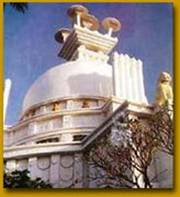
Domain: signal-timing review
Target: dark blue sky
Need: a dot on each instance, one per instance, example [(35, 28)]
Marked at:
[(30, 48)]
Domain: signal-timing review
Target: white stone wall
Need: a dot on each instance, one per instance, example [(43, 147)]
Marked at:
[(61, 170), (87, 120), (75, 116), (161, 170)]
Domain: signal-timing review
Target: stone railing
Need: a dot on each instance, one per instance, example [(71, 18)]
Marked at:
[(62, 105)]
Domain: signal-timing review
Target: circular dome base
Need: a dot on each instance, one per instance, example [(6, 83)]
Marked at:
[(71, 79)]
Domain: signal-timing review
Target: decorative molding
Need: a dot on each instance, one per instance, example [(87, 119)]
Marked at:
[(67, 161), (92, 40), (66, 168), (40, 149), (43, 163), (54, 133)]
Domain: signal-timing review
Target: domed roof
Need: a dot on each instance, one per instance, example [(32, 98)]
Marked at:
[(75, 78)]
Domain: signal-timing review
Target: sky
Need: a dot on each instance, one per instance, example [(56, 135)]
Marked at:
[(30, 48)]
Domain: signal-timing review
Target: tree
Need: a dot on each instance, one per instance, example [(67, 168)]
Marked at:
[(21, 179), (124, 155), (162, 127), (20, 7)]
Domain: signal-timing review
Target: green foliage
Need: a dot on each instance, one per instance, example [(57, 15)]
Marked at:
[(21, 179)]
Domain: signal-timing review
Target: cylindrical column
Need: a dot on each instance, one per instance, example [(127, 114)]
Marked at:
[(130, 80), (134, 81), (127, 78), (122, 76), (141, 82)]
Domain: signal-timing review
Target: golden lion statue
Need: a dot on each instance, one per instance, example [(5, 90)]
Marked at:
[(164, 93)]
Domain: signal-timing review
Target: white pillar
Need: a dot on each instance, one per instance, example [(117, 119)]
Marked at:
[(130, 80), (131, 73), (110, 32), (6, 97), (78, 20), (127, 77), (116, 77), (122, 76), (134, 73), (141, 82)]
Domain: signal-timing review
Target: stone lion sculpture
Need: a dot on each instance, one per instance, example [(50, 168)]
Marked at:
[(164, 93)]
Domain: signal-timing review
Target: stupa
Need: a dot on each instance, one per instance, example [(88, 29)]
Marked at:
[(71, 104)]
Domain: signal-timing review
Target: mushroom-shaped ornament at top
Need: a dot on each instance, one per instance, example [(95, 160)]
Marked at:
[(62, 34), (89, 21), (111, 24), (75, 13)]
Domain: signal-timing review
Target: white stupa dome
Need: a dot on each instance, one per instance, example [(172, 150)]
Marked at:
[(75, 78)]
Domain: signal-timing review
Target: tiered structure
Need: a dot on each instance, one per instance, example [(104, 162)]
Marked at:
[(72, 103)]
